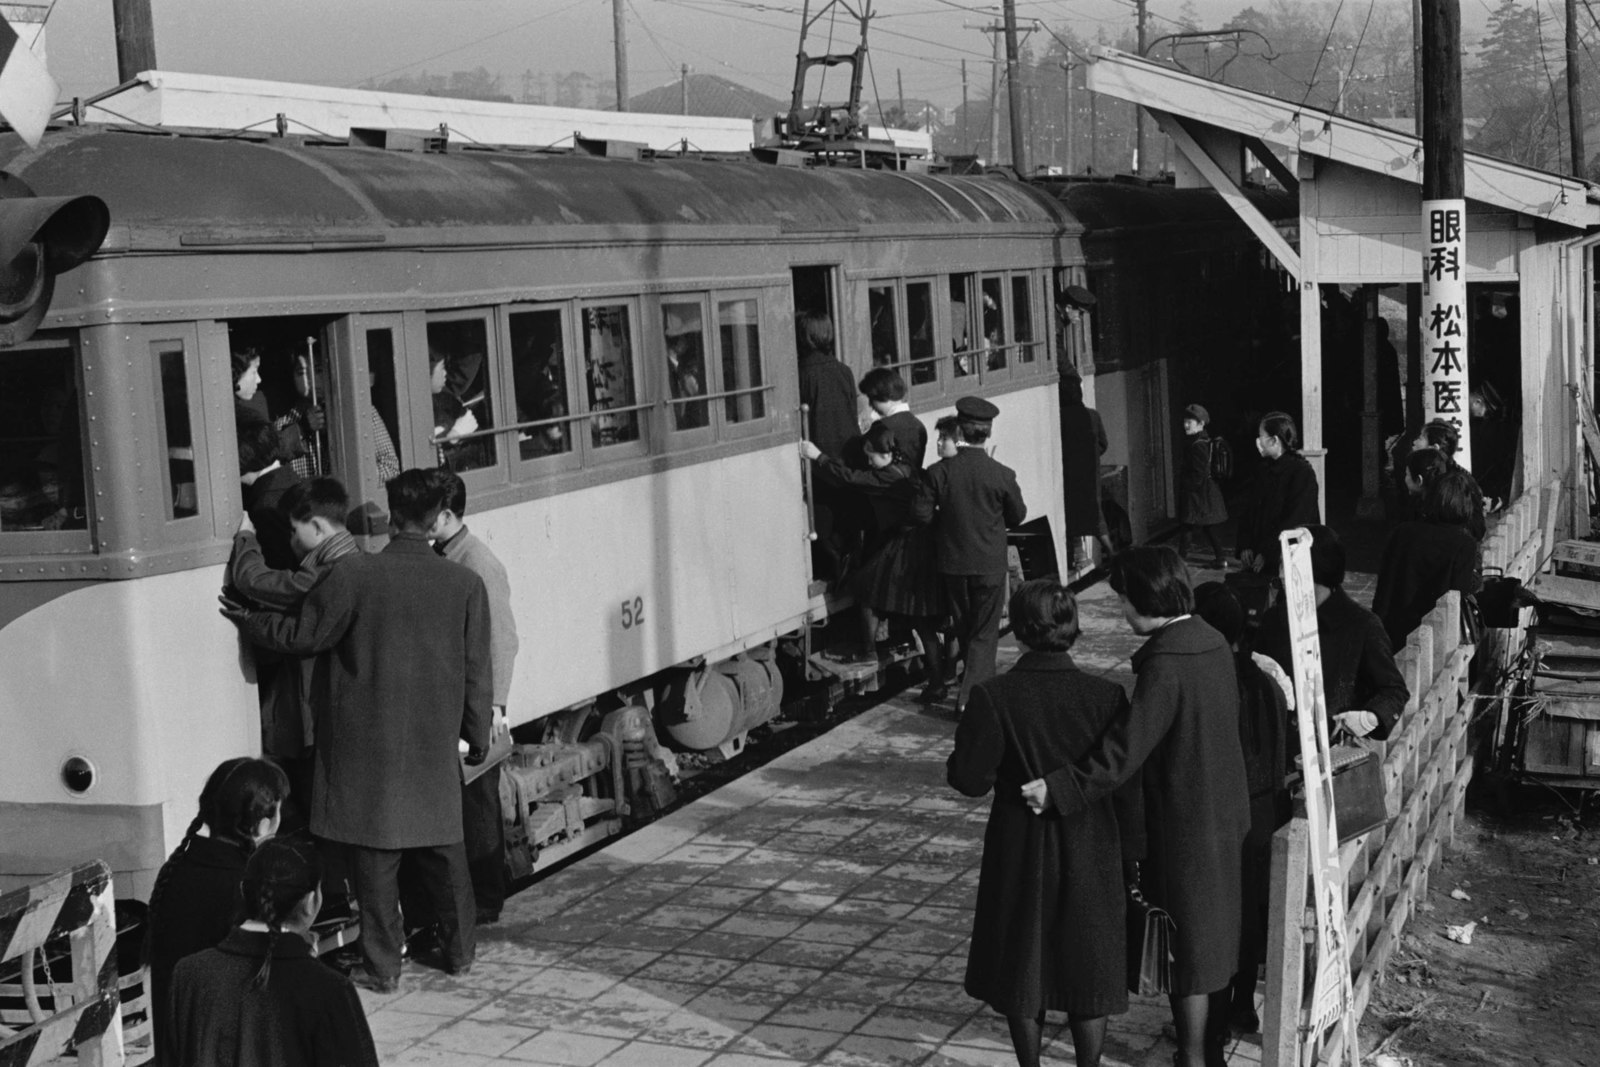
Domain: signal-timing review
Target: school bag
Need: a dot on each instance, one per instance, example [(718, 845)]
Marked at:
[(1221, 460)]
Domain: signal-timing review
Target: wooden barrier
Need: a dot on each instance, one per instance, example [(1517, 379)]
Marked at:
[(1427, 765), (76, 905)]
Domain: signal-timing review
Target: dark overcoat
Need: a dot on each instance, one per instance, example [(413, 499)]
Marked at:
[(307, 1016), (1285, 497), (972, 499), (1358, 668), (1083, 442), (1422, 561), (1200, 500), (410, 673), (194, 904), (261, 499), (828, 389), (1049, 929), (1183, 730)]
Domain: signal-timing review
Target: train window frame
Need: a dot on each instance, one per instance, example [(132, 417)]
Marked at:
[(936, 387), (554, 462), (661, 365), (497, 471), (81, 541), (645, 402), (969, 280), (1034, 346), (988, 373), (156, 342), (723, 391)]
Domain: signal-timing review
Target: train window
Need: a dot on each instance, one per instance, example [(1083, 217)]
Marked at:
[(885, 334), (609, 375), (176, 437), (539, 383), (739, 334), (683, 326), (962, 296), (463, 410), (994, 328), (1022, 318), (383, 412), (924, 356), (41, 440)]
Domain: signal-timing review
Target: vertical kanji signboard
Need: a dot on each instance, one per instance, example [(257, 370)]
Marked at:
[(1444, 318)]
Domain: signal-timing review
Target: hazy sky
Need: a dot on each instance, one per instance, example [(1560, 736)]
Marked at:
[(753, 42)]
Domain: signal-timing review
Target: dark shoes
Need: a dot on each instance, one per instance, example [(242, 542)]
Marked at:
[(433, 956), (365, 979), (488, 916), (934, 693)]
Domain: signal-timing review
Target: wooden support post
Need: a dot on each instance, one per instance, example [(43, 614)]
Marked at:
[(1286, 945)]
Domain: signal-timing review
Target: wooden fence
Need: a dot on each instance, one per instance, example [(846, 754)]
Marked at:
[(75, 905), (1426, 765)]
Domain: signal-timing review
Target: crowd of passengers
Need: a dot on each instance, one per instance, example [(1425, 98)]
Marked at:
[(383, 677)]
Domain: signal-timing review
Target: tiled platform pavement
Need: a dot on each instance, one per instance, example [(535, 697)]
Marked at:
[(813, 912)]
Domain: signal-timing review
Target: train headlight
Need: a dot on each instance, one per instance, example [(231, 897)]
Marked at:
[(78, 775), (40, 237)]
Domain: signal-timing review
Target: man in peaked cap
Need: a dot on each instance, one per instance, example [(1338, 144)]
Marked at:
[(972, 499)]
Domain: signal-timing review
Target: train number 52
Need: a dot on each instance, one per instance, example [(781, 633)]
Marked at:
[(633, 613)]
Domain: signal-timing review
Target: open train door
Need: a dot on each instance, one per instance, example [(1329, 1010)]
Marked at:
[(370, 432), (816, 291)]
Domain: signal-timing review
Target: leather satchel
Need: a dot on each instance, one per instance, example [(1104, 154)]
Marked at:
[(1360, 801), (1150, 931)]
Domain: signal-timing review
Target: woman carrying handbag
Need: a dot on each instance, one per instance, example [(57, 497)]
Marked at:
[(1181, 735)]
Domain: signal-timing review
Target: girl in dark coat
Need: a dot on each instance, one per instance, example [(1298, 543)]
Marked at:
[(195, 900), (1048, 932), (1425, 559), (899, 574), (260, 999), (1285, 494), (1444, 437), (1200, 503), (1183, 731)]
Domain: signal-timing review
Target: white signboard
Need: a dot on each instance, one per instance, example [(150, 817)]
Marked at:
[(1444, 318), (1332, 998)]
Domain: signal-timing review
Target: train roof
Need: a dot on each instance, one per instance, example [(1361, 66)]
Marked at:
[(189, 189), (1120, 205)]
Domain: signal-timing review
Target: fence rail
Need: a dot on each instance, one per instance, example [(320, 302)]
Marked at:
[(1427, 765)]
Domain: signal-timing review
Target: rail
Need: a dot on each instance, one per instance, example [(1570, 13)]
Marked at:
[(579, 416), (76, 905), (1427, 764)]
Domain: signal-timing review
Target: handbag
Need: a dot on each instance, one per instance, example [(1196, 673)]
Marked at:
[(1150, 931), (1360, 801)]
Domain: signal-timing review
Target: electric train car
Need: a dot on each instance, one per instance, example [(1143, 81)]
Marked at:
[(622, 332)]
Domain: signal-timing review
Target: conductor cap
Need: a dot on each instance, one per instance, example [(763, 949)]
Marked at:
[(977, 408), (1078, 296)]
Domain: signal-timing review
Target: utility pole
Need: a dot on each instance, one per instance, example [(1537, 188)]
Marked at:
[(1094, 132), (1138, 112), (1446, 387), (136, 38), (1019, 145), (966, 141), (685, 84), (900, 88), (1066, 155), (1417, 89), (1574, 96), (994, 97), (619, 33)]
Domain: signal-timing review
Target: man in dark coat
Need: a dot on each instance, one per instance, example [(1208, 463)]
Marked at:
[(828, 390), (410, 675), (1083, 442), (1364, 688), (973, 499)]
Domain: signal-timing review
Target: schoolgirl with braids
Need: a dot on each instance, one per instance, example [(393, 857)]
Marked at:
[(260, 999), (196, 896)]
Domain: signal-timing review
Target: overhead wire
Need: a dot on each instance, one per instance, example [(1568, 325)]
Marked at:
[(475, 41)]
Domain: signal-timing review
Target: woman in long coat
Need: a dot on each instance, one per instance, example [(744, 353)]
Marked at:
[(1285, 494), (1425, 559), (1181, 735), (1200, 503), (1048, 932)]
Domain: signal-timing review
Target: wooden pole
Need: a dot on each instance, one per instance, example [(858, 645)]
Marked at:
[(1416, 66), (994, 97), (685, 84), (1444, 224), (1574, 94), (1138, 112), (966, 140), (1066, 72), (619, 32), (136, 38), (1019, 143)]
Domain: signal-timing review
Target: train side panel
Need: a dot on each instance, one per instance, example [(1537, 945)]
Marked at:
[(150, 685), (620, 580)]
